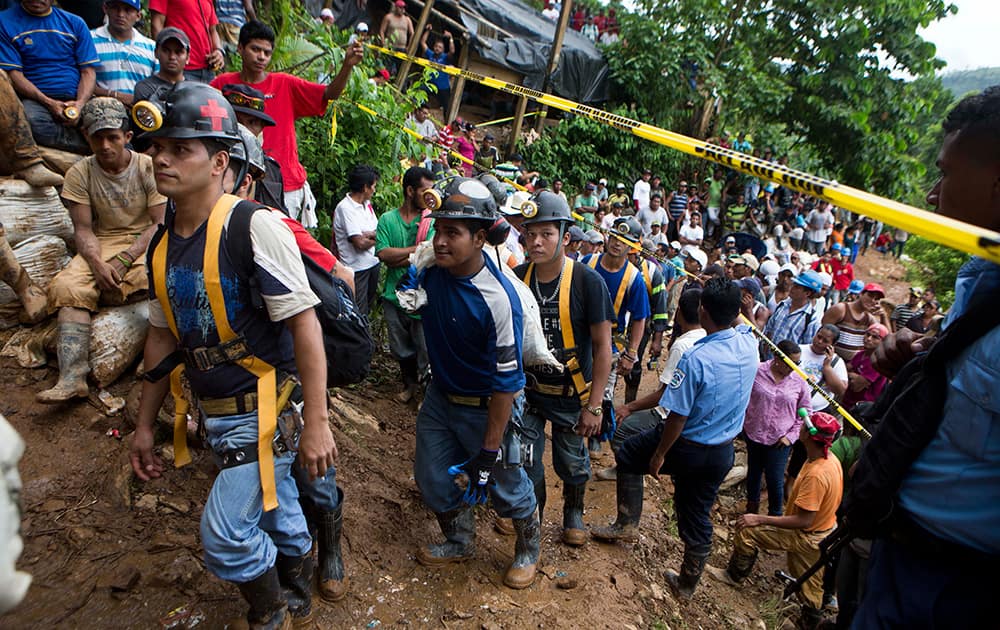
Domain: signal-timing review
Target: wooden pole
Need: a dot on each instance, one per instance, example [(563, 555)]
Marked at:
[(557, 41), (515, 132), (411, 48), (459, 87)]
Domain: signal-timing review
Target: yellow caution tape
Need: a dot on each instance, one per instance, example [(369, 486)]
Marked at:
[(956, 234)]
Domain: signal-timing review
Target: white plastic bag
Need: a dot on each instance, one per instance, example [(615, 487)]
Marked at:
[(26, 211)]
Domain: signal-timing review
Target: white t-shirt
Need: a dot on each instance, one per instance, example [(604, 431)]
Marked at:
[(812, 364), (647, 216), (681, 345), (640, 193), (608, 221), (817, 223), (514, 245), (693, 233), (352, 219)]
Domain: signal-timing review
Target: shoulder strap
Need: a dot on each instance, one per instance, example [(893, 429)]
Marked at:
[(647, 276), (267, 385), (626, 282), (527, 273), (592, 262), (565, 323)]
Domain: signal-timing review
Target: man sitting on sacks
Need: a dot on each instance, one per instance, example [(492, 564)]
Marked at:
[(115, 208)]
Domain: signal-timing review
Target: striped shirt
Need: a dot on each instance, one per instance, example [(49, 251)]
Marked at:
[(799, 326), (123, 64), (231, 12)]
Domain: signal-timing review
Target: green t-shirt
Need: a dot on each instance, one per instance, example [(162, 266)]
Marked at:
[(715, 193), (392, 231), (847, 449)]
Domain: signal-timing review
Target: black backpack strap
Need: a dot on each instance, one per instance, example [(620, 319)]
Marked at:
[(240, 247)]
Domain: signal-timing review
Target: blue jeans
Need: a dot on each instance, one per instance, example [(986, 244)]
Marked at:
[(322, 491), (50, 133), (449, 434), (570, 456), (204, 75), (697, 471), (770, 462), (241, 541), (908, 589)]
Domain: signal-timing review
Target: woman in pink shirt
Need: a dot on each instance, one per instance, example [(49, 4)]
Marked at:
[(465, 143), (864, 383), (771, 425)]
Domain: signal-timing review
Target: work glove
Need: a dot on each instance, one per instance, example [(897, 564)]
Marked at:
[(478, 471), (410, 280), (608, 422)]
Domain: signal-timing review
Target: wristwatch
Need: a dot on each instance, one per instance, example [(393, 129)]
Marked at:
[(594, 410)]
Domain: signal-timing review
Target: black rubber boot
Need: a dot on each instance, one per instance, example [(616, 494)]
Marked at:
[(521, 573), (626, 525), (682, 585), (332, 583), (459, 529), (631, 391), (295, 576), (541, 495), (740, 565), (574, 531), (811, 617), (268, 609)]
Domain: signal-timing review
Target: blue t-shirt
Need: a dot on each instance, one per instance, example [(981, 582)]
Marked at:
[(953, 488), (678, 204), (49, 50), (440, 79), (636, 301), (711, 385), (474, 328)]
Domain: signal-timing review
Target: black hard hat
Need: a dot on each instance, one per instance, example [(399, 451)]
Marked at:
[(195, 110), (628, 228), (466, 198), (546, 206), (496, 188), (249, 143)]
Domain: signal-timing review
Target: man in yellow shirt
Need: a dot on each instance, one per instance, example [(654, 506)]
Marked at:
[(810, 515)]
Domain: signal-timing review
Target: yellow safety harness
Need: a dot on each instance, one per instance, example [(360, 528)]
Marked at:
[(566, 326), (626, 282), (267, 408)]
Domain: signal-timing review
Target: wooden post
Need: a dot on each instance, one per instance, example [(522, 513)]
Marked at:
[(459, 87), (522, 105), (411, 48), (557, 41)]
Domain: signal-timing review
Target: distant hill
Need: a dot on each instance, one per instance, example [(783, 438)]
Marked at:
[(961, 82)]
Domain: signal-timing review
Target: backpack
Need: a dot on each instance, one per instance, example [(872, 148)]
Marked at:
[(346, 336)]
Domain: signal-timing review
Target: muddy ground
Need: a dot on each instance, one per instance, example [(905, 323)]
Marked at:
[(108, 552)]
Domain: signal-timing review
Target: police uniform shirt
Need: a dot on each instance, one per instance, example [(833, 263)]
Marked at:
[(711, 385), (589, 304), (636, 300), (474, 327)]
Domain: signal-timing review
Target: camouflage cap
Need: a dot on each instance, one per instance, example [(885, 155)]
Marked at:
[(103, 112)]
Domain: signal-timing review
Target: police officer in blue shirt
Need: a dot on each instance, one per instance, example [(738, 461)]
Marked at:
[(707, 397), (935, 563), (473, 323)]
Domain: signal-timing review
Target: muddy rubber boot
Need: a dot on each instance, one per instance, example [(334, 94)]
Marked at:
[(32, 297), (811, 618), (574, 531), (268, 609), (682, 585), (39, 176), (541, 495), (332, 583), (626, 525), (295, 577), (73, 348), (521, 573), (459, 529)]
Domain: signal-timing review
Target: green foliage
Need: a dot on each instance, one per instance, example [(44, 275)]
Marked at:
[(961, 82), (315, 52), (935, 266)]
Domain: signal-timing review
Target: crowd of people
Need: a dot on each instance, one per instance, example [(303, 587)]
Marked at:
[(536, 302), (600, 27)]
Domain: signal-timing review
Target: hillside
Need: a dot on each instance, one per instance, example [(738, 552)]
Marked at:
[(962, 82)]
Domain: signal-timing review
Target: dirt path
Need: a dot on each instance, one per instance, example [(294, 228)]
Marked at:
[(106, 552)]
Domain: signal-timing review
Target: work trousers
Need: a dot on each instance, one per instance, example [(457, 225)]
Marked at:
[(449, 434), (49, 132), (570, 456), (697, 471), (406, 341), (769, 461), (18, 150), (241, 540), (366, 288), (635, 424), (802, 548)]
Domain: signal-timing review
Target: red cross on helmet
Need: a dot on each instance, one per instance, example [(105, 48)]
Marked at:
[(195, 110)]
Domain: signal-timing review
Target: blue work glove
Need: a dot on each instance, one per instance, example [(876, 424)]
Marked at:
[(608, 422), (478, 471), (409, 281)]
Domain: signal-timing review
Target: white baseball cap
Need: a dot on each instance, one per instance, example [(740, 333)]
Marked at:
[(698, 255)]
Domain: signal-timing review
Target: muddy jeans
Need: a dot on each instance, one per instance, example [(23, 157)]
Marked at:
[(18, 150), (449, 434), (802, 548), (241, 540), (570, 456), (48, 132)]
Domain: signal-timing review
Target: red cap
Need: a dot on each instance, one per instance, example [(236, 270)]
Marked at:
[(384, 74), (401, 3), (872, 287), (828, 429)]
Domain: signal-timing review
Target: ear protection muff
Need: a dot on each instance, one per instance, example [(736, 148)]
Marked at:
[(498, 232), (147, 116), (432, 199)]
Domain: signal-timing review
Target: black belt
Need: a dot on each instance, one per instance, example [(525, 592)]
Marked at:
[(479, 402), (688, 442)]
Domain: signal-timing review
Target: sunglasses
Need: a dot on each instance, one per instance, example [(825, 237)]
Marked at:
[(239, 99)]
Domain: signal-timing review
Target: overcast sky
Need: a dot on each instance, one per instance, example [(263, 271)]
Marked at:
[(968, 39)]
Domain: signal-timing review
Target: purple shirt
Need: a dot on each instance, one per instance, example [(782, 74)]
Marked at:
[(861, 364), (771, 414)]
